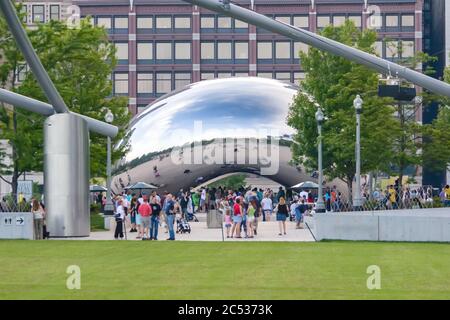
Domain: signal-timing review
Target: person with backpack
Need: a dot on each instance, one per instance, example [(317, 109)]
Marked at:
[(145, 211)]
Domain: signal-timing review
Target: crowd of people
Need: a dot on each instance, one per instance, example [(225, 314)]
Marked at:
[(242, 210)]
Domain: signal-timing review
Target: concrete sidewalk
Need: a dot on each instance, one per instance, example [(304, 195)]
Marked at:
[(267, 231)]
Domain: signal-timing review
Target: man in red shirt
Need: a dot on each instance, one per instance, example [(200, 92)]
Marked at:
[(145, 210)]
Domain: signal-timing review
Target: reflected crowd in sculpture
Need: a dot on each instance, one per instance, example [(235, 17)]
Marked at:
[(209, 129)]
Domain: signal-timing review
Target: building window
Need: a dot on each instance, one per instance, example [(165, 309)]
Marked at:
[(182, 80), (24, 12), (283, 50), (222, 75), (21, 72), (207, 22), (38, 14), (265, 51), (238, 24), (145, 84), (283, 19), (391, 21), (407, 48), (392, 49), (338, 20), (145, 52), (224, 23), (121, 25), (378, 48), (300, 47), (163, 51), (408, 22), (144, 23), (183, 51), (224, 51), (357, 20), (54, 12), (239, 74), (183, 23), (122, 52), (141, 107), (104, 22), (164, 23), (208, 75), (323, 21), (241, 52), (301, 22), (121, 84), (163, 83), (283, 76), (267, 75), (299, 77), (207, 51)]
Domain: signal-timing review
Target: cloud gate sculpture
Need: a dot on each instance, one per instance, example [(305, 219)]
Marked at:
[(209, 129)]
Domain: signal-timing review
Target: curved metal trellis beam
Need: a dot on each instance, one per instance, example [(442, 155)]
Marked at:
[(323, 43), (47, 110)]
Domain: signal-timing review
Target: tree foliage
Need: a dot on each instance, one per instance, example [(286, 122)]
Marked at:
[(334, 83), (80, 62)]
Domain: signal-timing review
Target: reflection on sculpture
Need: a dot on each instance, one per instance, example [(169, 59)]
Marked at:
[(211, 128)]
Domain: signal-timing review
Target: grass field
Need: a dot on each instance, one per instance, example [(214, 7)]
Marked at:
[(214, 270)]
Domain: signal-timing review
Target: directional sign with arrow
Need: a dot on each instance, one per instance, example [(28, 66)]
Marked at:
[(20, 221)]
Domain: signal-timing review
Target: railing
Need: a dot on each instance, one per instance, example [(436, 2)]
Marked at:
[(424, 197), (13, 203)]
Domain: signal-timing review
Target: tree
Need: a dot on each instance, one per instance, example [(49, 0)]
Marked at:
[(438, 148), (80, 61), (408, 133), (334, 82)]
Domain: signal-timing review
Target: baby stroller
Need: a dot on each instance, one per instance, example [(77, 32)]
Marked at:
[(183, 226), (192, 217)]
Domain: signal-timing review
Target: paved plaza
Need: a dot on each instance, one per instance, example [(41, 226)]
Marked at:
[(267, 231)]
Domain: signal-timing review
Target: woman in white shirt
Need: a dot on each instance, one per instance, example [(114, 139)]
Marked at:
[(38, 217)]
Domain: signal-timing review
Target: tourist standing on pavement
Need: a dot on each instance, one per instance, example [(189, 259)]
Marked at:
[(38, 218), (169, 208), (154, 220), (282, 214), (251, 209), (145, 211), (267, 207), (237, 218), (120, 218), (133, 211), (299, 212)]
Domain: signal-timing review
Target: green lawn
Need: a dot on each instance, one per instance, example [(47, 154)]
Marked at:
[(214, 270)]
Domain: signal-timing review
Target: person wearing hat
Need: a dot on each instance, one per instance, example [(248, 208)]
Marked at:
[(120, 217)]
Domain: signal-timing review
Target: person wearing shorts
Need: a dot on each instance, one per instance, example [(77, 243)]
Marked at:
[(237, 218), (145, 212)]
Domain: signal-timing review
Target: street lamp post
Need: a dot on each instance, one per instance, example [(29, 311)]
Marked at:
[(320, 205), (357, 201), (109, 206)]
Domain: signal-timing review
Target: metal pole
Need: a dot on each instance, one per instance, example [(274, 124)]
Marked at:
[(47, 110), (109, 206), (323, 43), (320, 205), (24, 44), (357, 192)]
